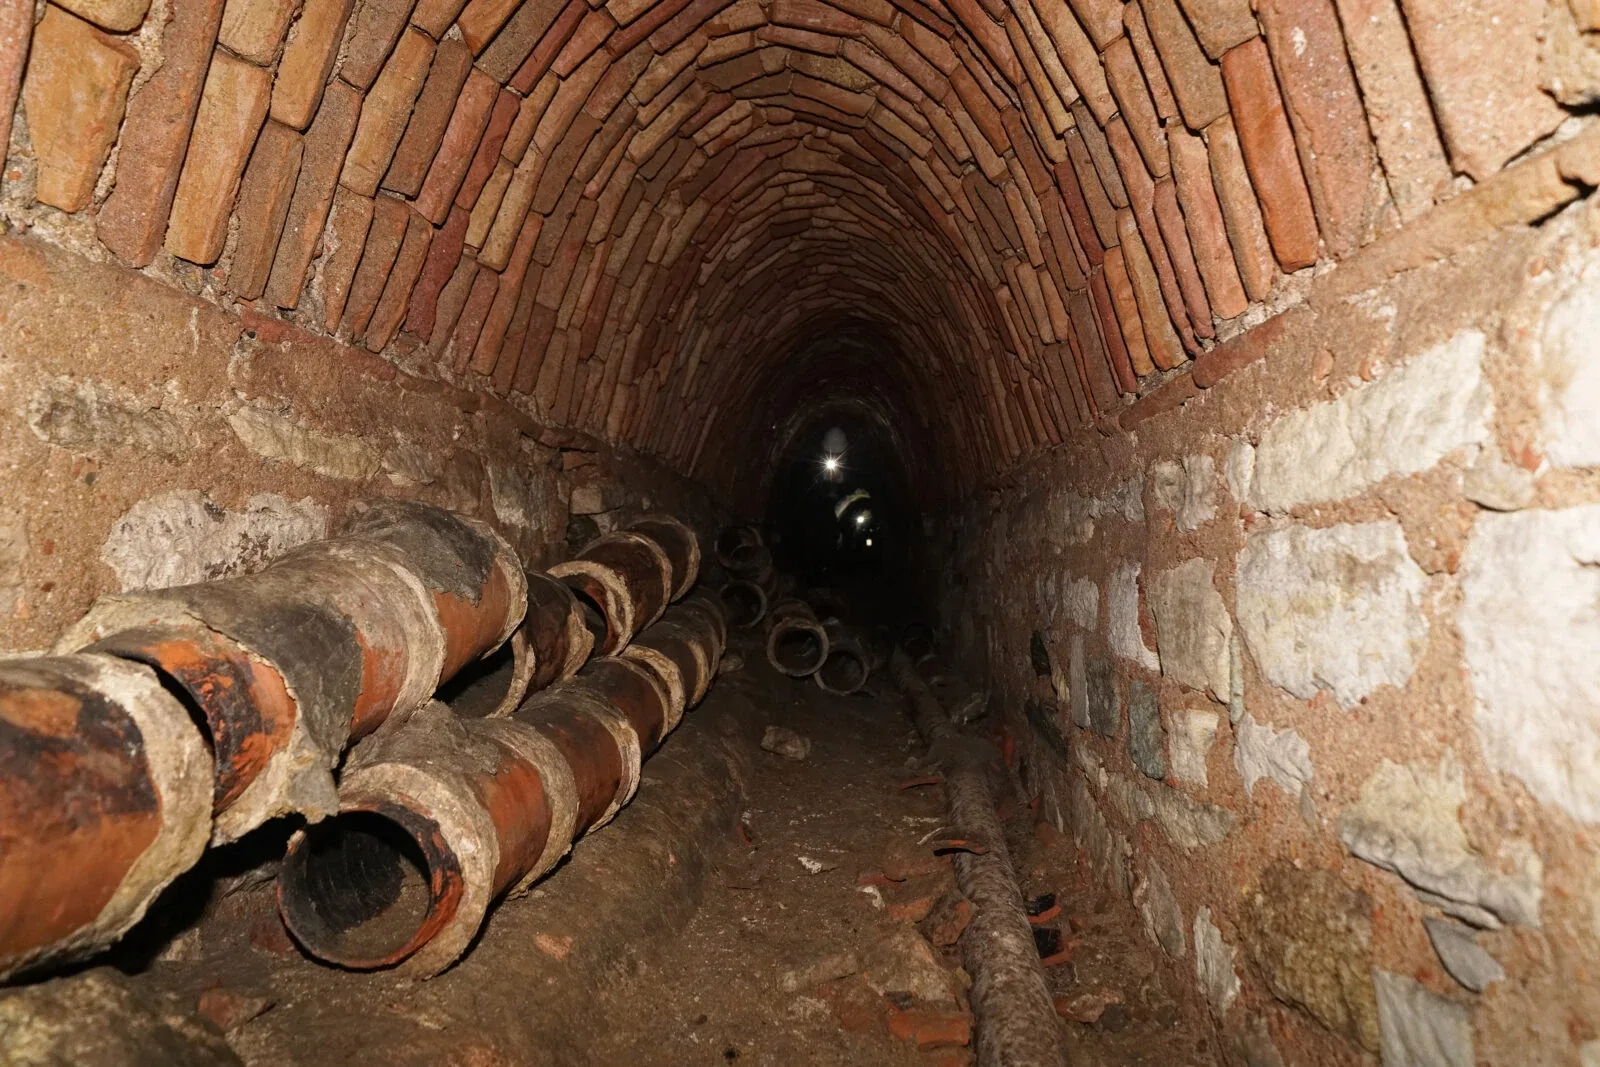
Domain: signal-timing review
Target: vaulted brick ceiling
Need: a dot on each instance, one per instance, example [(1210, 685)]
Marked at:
[(673, 224)]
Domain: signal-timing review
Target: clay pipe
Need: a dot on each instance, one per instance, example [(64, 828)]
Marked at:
[(550, 645), (288, 664), (683, 651), (797, 644), (438, 817), (733, 538), (746, 603), (105, 798), (848, 665), (681, 545), (626, 578)]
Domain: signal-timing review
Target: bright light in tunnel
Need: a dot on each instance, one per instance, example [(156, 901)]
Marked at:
[(830, 464), (861, 520), (869, 542)]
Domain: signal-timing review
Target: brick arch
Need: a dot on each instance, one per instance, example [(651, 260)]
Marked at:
[(625, 215)]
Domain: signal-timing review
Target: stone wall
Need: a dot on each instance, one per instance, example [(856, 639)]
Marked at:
[(1321, 692), (151, 438)]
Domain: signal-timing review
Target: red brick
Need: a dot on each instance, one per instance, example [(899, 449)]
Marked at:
[(516, 41), (1270, 155), (816, 16), (1169, 217), (433, 17), (1126, 306), (444, 256), (1141, 198), (264, 196), (253, 29), (930, 1028), (1249, 346), (1208, 234), (325, 146), (1155, 76), (459, 142), (75, 90), (379, 24), (451, 63), (155, 135), (482, 19), (1102, 18), (465, 336), (347, 236), (385, 112), (448, 308), (1166, 351), (1221, 24), (506, 295), (16, 29), (487, 209), (308, 60), (1094, 140), (1396, 104), (397, 290), (1195, 80), (488, 153), (1241, 213), (1102, 214), (1138, 112), (1324, 106), (119, 16), (544, 53), (1480, 59), (389, 218), (233, 106), (590, 35)]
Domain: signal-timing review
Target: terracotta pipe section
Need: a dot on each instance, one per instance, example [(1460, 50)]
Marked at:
[(439, 816), (732, 540), (105, 798), (626, 578), (797, 644), (747, 604), (680, 543), (917, 640), (1016, 1019), (552, 643), (683, 650), (289, 664), (849, 662)]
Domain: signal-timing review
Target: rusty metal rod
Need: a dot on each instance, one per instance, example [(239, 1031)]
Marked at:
[(289, 664), (1016, 1020), (441, 816), (105, 798)]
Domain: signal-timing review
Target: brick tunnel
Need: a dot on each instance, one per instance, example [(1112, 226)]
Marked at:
[(1213, 386)]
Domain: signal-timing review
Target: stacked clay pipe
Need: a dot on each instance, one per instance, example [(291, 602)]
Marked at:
[(752, 585), (171, 718)]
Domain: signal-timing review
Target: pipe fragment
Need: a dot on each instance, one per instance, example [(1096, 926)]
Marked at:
[(797, 644), (1016, 1020), (627, 578), (320, 647), (105, 798)]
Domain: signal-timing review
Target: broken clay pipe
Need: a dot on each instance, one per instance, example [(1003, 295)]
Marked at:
[(552, 643), (848, 664), (105, 798), (797, 644), (289, 664), (437, 819), (626, 579)]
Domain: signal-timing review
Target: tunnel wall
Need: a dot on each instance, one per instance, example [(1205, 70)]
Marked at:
[(1304, 661), (153, 439)]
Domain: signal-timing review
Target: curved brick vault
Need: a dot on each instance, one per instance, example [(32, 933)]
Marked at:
[(667, 223)]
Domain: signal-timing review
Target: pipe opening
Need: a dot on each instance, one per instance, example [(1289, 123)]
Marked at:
[(184, 696), (843, 672), (479, 687), (362, 891), (746, 604), (594, 613), (797, 650)]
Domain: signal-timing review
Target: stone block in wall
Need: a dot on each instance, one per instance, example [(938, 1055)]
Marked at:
[(75, 91), (1146, 740), (1189, 741), (1193, 626), (1163, 918), (1403, 423), (1568, 368), (1340, 608), (1123, 632), (283, 439), (182, 537), (1259, 751), (1105, 708), (1309, 936), (1530, 581), (1417, 1025), (89, 417), (1213, 964), (1187, 489)]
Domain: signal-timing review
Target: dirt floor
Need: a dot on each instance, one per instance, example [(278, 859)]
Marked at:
[(749, 907)]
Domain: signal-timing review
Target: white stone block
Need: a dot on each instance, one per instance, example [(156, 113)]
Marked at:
[(1122, 618), (1192, 627), (1260, 752), (1569, 374), (1213, 964)]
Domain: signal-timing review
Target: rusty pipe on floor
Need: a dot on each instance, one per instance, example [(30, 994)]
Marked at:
[(797, 644), (627, 579), (1016, 1020), (289, 664), (440, 816), (105, 798)]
